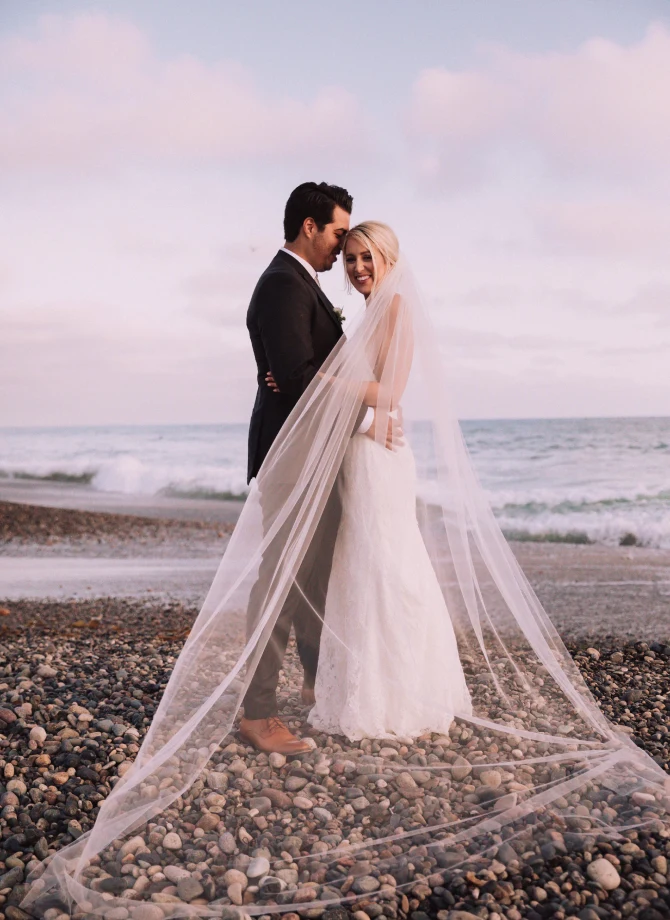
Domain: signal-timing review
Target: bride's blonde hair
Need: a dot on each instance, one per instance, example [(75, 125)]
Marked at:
[(376, 236)]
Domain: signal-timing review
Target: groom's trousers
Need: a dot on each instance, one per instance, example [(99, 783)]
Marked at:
[(311, 584)]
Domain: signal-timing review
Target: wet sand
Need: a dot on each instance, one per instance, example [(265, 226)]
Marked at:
[(170, 548)]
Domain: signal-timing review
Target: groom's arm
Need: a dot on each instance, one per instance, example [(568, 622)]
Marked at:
[(284, 318)]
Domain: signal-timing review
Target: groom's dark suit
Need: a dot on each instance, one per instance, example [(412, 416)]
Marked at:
[(293, 329)]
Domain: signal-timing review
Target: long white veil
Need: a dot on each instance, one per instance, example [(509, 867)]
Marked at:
[(536, 756)]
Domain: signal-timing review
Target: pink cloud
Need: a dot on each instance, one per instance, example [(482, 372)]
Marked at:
[(90, 90), (621, 227), (604, 108)]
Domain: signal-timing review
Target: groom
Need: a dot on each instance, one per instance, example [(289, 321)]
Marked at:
[(293, 328)]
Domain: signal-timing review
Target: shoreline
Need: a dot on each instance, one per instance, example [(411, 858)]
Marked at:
[(54, 551)]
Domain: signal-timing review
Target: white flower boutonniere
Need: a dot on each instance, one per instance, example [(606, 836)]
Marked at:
[(339, 314)]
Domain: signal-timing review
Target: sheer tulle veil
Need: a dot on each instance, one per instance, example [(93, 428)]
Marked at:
[(535, 758)]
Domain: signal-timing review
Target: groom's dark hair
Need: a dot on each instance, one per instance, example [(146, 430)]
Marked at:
[(315, 200)]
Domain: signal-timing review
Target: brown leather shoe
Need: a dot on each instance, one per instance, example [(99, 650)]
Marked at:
[(307, 695), (272, 736)]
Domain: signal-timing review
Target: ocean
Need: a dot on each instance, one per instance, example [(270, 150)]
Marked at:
[(570, 480)]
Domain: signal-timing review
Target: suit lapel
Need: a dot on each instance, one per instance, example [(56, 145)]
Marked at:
[(286, 259)]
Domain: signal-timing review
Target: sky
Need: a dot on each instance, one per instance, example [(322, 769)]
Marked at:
[(520, 150)]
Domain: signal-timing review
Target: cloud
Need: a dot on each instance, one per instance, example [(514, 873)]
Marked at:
[(630, 228), (220, 295), (652, 300), (90, 90), (603, 109), (73, 364)]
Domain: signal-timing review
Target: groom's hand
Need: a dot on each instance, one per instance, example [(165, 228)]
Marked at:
[(394, 431)]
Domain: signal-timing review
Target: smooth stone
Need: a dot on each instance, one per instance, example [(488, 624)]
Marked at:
[(227, 843), (506, 854), (208, 822), (175, 874), (234, 892), (276, 760), (147, 912), (159, 897), (365, 884), (15, 913), (407, 786), (218, 782), (295, 783), (278, 797), (131, 846), (604, 874), (302, 802), (235, 877), (660, 863), (258, 867), (189, 888), (172, 841), (12, 878), (588, 913), (45, 670), (322, 814), (289, 876), (261, 803), (491, 778), (461, 768), (19, 787), (38, 734), (305, 895)]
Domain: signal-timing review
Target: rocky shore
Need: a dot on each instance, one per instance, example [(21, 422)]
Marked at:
[(60, 531), (79, 684), (80, 681)]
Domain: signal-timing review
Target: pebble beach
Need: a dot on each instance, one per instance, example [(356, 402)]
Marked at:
[(81, 677)]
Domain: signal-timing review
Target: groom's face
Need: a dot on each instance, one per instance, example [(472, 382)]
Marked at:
[(327, 243)]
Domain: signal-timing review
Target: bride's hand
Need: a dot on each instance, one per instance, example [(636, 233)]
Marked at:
[(269, 379), (395, 436)]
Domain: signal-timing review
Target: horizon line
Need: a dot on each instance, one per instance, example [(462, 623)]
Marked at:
[(520, 418)]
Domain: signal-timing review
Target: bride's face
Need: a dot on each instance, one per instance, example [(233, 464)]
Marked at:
[(361, 269)]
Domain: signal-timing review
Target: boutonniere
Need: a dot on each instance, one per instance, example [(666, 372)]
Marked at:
[(339, 314)]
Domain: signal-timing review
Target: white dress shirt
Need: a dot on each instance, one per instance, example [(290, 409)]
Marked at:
[(303, 262), (369, 416)]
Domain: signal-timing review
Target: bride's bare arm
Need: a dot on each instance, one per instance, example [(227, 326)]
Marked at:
[(394, 360)]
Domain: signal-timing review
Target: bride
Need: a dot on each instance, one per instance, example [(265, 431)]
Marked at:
[(388, 661)]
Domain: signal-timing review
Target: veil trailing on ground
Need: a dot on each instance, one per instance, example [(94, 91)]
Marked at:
[(201, 821)]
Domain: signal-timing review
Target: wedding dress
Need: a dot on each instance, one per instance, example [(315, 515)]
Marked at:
[(388, 664)]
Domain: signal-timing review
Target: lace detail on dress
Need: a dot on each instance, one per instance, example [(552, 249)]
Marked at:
[(389, 665)]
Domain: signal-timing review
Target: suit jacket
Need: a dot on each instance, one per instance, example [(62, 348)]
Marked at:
[(293, 329)]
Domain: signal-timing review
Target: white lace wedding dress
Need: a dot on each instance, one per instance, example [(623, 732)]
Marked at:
[(388, 665)]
